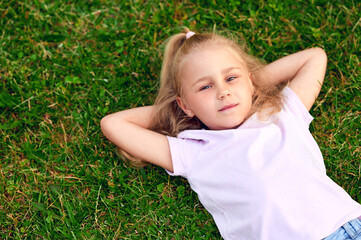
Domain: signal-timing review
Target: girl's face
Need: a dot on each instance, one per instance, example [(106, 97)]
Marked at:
[(216, 87)]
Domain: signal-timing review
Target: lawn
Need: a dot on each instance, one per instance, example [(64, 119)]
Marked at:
[(66, 64)]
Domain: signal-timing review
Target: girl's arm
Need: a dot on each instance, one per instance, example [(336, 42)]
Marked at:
[(129, 131), (305, 70)]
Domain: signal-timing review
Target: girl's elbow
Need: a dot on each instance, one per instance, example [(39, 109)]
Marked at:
[(320, 53), (105, 124)]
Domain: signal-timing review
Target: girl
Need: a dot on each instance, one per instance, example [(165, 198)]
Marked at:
[(223, 121)]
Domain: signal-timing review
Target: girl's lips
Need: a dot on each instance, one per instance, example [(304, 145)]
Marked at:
[(228, 107)]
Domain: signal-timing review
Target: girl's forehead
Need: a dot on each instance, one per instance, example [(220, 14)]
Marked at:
[(202, 52), (210, 63)]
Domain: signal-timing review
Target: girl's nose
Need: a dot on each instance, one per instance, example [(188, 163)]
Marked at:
[(223, 91)]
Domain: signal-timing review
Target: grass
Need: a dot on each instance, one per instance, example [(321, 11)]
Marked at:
[(66, 64)]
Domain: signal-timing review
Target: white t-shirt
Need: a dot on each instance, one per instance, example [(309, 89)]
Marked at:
[(265, 179)]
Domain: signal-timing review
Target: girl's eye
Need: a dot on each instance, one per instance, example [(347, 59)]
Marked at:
[(230, 79), (204, 87)]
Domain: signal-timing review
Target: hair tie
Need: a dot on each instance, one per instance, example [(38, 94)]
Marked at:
[(189, 34)]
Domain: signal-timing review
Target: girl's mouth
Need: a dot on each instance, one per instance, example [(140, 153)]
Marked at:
[(227, 107)]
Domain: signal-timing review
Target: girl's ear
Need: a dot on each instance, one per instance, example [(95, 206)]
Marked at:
[(184, 106)]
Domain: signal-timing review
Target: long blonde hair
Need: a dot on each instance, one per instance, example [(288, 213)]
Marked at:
[(168, 118)]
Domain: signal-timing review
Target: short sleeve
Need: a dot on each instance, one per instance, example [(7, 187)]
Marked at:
[(294, 105), (183, 153)]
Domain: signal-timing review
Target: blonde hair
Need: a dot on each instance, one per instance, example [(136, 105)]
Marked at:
[(168, 118)]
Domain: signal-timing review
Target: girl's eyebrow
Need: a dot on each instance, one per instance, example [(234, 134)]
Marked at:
[(224, 71), (227, 70), (202, 79)]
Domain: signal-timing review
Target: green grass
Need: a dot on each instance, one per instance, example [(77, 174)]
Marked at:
[(66, 64)]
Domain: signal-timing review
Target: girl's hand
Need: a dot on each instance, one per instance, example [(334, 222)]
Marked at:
[(129, 131), (305, 70)]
